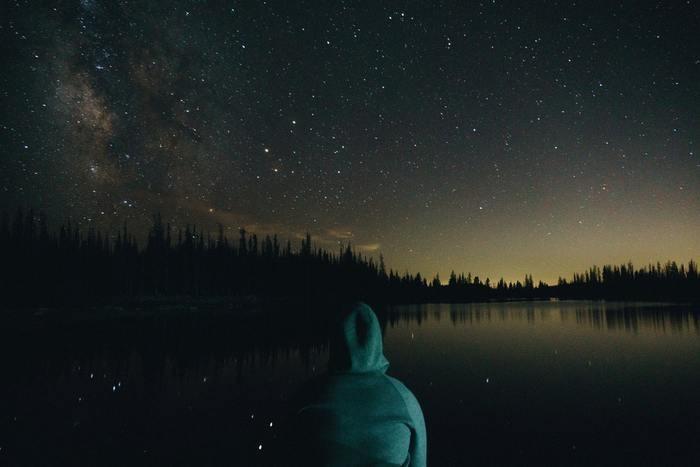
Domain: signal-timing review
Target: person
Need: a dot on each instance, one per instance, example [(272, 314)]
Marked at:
[(356, 414)]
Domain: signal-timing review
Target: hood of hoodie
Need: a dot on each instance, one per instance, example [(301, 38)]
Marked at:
[(356, 343)]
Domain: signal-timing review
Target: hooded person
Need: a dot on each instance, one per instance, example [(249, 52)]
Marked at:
[(356, 414)]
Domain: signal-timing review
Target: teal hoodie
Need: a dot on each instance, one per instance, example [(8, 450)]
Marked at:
[(356, 414)]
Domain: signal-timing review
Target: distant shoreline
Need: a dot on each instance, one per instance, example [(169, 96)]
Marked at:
[(252, 305)]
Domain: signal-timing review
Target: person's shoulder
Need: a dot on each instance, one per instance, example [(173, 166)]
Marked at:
[(408, 398), (398, 385)]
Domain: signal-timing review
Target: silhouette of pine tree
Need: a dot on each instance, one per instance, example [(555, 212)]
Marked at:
[(69, 265)]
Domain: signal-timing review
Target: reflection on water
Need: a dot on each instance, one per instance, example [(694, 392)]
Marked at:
[(571, 383), (552, 383), (628, 317)]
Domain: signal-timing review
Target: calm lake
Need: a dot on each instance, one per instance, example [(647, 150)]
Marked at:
[(521, 383)]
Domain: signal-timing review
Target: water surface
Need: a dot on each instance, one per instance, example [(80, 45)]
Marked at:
[(554, 383), (558, 383)]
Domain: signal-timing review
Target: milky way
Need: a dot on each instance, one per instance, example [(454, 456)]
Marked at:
[(494, 137)]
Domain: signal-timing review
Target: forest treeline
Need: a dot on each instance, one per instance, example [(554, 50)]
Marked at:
[(67, 265)]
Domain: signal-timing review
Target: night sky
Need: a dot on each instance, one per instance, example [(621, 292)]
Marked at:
[(500, 138)]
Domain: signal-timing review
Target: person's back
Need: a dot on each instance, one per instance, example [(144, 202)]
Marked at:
[(356, 414)]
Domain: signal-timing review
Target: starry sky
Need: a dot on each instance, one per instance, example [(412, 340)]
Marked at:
[(497, 137)]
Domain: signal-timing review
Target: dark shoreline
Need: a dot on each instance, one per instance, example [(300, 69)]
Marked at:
[(254, 306)]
